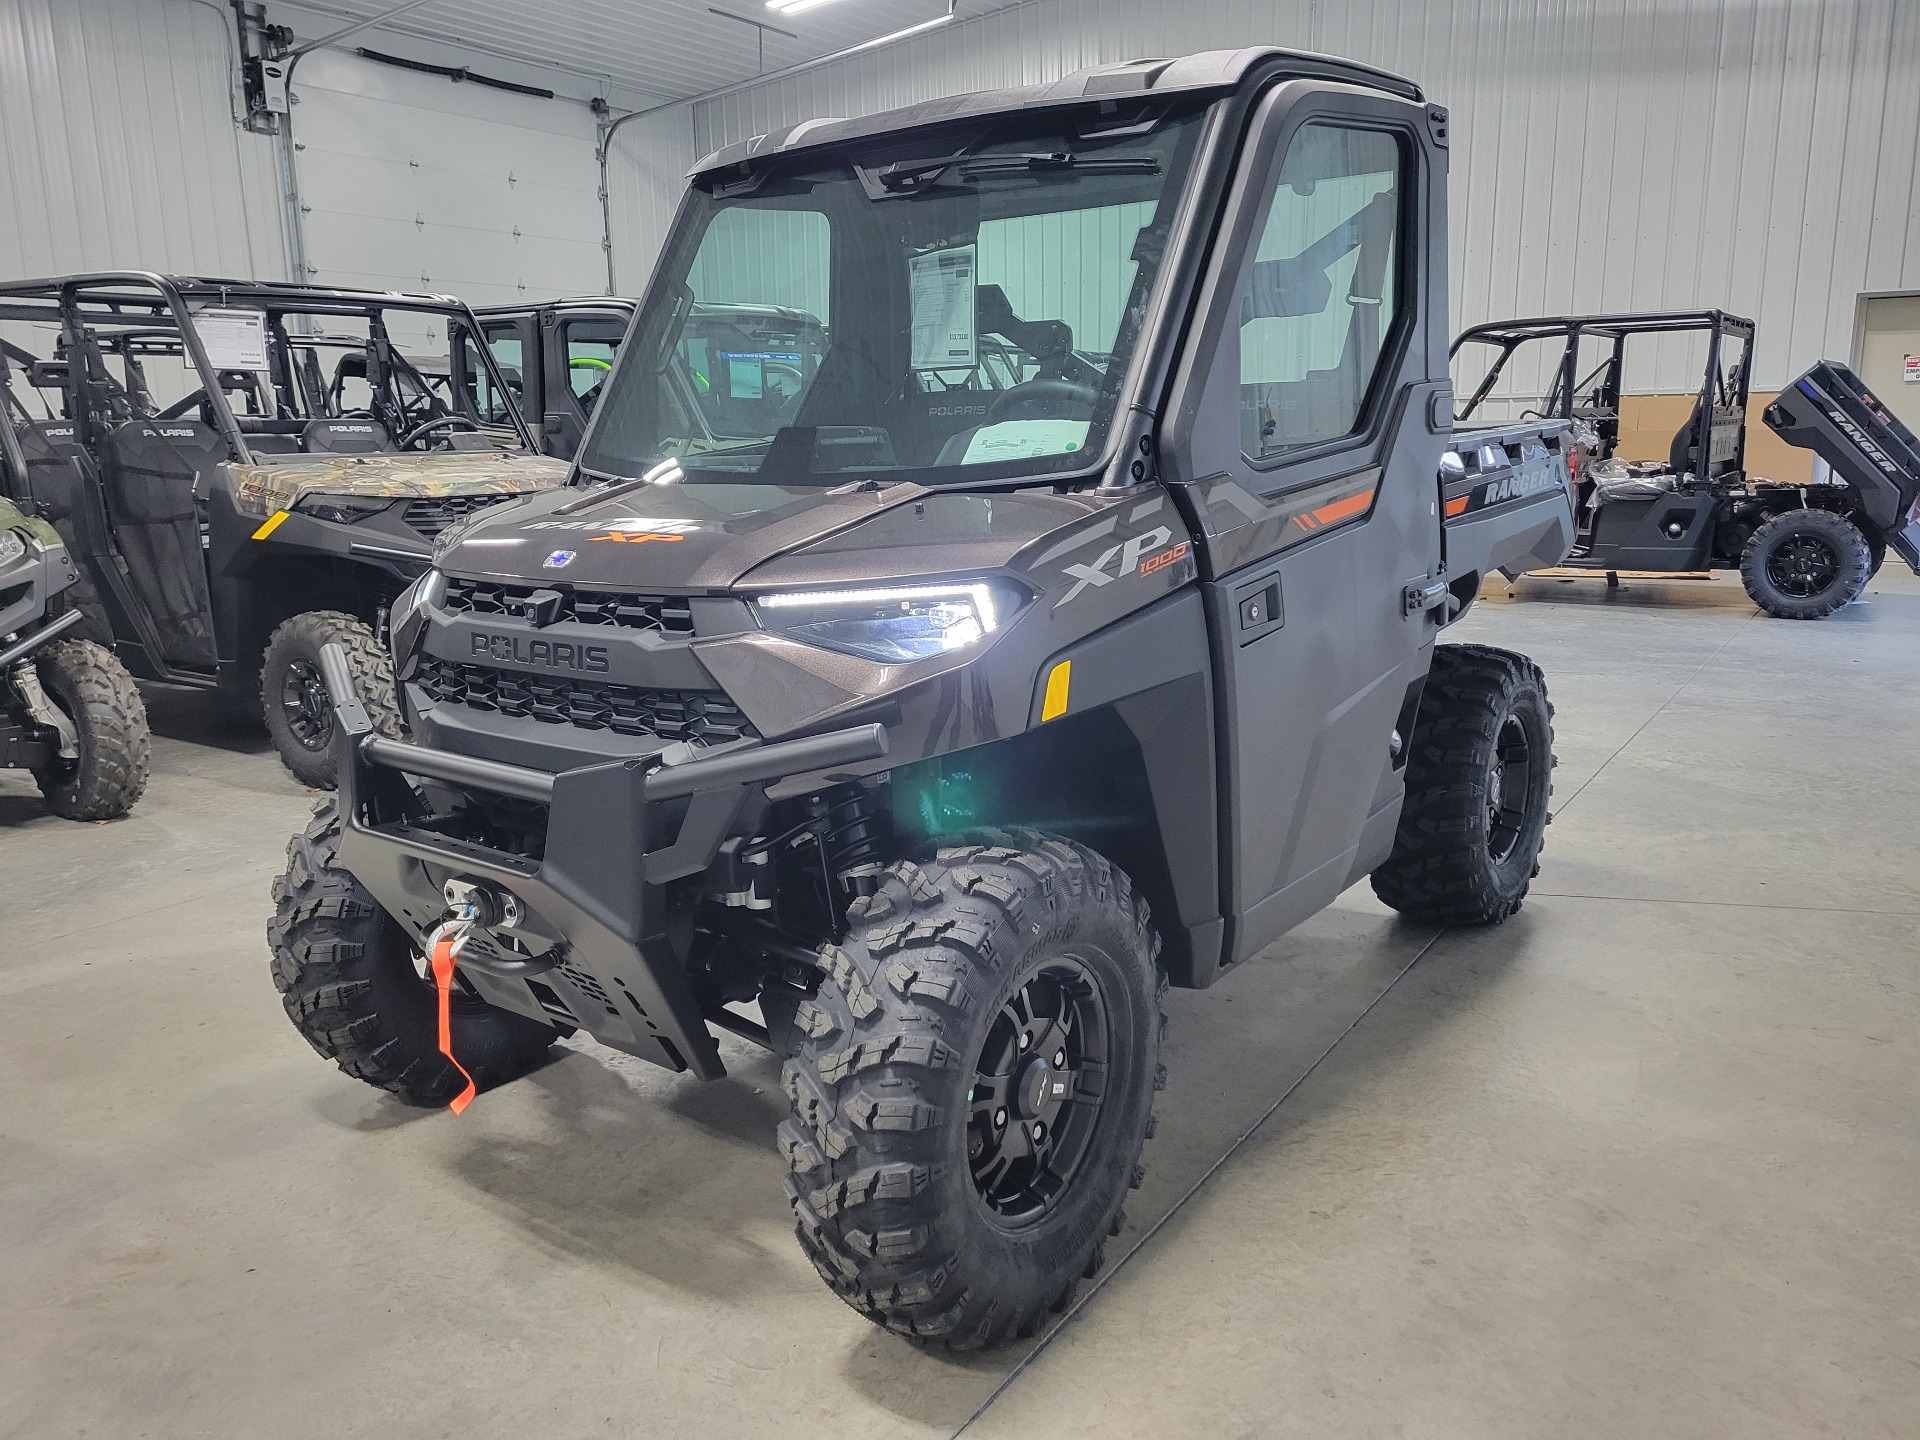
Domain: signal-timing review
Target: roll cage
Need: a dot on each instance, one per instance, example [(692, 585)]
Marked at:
[(1594, 397), (136, 314)]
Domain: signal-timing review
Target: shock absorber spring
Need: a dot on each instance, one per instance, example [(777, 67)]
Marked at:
[(856, 833)]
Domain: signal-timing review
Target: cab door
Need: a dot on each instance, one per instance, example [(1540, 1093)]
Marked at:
[(1303, 434), (580, 346)]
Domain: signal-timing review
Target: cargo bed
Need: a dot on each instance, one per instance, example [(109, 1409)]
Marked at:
[(1506, 498), (1830, 411)]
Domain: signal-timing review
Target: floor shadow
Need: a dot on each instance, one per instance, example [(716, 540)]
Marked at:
[(1674, 594), (670, 1183), (205, 717), (1216, 1062)]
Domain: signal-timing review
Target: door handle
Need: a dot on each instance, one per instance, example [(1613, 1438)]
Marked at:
[(1423, 594)]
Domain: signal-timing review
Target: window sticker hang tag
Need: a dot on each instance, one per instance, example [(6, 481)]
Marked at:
[(941, 290), (233, 339)]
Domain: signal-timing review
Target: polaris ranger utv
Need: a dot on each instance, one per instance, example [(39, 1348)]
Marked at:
[(69, 712), (246, 472), (1803, 551), (946, 718)]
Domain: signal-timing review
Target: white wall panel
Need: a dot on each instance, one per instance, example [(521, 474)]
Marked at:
[(1758, 155), (646, 173), (117, 146), (413, 182)]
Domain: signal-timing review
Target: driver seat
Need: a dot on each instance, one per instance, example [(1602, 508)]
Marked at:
[(362, 436)]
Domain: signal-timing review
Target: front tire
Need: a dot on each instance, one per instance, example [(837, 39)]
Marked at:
[(350, 980), (1479, 777), (974, 1088), (1806, 564), (294, 700), (96, 693)]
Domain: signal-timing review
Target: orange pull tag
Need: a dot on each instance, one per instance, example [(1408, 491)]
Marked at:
[(443, 982)]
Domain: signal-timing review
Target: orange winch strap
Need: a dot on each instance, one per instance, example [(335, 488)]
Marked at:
[(443, 982)]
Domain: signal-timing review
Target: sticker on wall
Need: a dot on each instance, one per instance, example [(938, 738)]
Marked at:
[(1910, 370)]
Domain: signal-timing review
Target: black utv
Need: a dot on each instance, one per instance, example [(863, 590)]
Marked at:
[(69, 712), (553, 356), (556, 356), (247, 472), (1803, 551), (1067, 631)]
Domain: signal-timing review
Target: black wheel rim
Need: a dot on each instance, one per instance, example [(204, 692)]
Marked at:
[(1509, 784), (1038, 1086), (1802, 566), (306, 706)]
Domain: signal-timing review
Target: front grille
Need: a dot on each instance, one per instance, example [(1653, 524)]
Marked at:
[(592, 705), (668, 614), (433, 514)]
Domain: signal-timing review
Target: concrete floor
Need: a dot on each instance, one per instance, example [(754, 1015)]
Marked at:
[(1640, 1162)]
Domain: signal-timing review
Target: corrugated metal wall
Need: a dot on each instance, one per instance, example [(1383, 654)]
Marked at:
[(117, 146), (1758, 155), (646, 172)]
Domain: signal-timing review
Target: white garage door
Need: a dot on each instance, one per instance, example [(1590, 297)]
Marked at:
[(415, 182)]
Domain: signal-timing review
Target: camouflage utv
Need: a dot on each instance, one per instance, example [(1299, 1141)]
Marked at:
[(246, 472)]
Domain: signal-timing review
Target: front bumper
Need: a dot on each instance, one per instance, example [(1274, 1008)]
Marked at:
[(28, 587), (590, 946)]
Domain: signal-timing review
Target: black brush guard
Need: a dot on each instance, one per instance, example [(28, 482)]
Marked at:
[(589, 947)]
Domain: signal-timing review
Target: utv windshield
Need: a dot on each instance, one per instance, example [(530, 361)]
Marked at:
[(959, 306)]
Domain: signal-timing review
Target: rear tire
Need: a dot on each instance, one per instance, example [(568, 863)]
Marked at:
[(1806, 564), (349, 979), (921, 1088), (95, 691), (293, 697), (1479, 778)]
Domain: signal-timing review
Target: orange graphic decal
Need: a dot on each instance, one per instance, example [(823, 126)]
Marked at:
[(1342, 509), (638, 537), (1457, 505), (1164, 558)]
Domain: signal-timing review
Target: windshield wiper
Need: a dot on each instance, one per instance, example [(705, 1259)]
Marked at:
[(909, 177)]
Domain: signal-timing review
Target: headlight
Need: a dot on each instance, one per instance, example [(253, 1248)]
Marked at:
[(342, 509), (407, 619), (891, 624), (12, 547)]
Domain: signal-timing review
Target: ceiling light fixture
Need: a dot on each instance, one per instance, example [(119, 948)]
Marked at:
[(794, 7)]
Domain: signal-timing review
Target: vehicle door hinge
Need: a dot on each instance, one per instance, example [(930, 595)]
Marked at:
[(1423, 594)]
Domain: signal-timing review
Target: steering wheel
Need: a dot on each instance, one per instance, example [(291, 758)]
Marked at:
[(1047, 398), (438, 422)]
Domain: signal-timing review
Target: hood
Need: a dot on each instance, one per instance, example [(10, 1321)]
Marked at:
[(263, 489), (12, 517), (658, 537)]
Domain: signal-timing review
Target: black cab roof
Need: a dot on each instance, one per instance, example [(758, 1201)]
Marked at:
[(1208, 70)]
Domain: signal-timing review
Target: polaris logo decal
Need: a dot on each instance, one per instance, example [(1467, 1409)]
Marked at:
[(559, 559), (551, 654), (1128, 552)]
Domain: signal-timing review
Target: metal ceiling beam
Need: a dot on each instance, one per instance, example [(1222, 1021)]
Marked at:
[(391, 13)]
